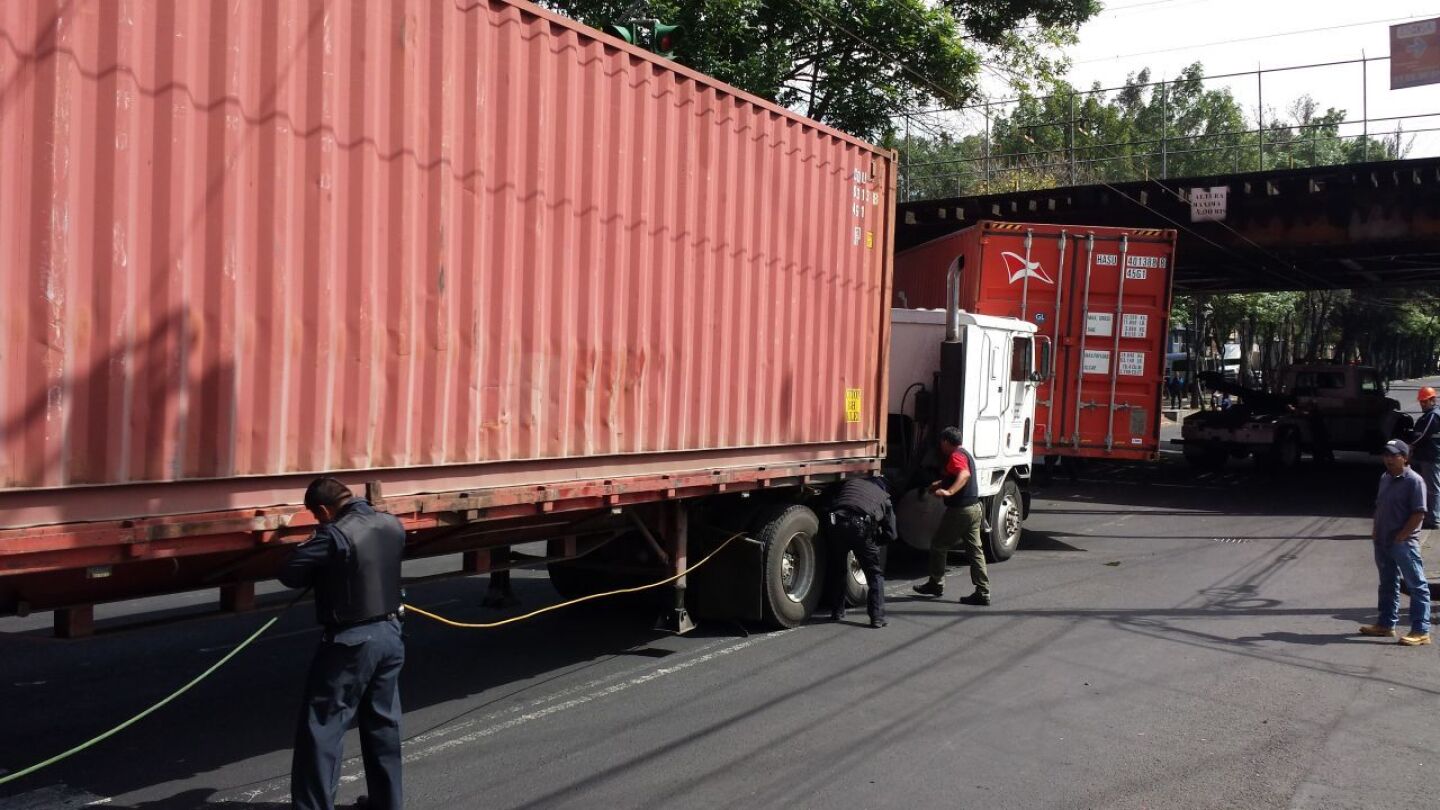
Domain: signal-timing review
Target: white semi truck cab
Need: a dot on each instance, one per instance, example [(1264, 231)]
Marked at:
[(977, 373)]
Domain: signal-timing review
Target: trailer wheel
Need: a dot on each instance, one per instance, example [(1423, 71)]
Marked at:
[(794, 574), (612, 567), (854, 582), (1004, 522)]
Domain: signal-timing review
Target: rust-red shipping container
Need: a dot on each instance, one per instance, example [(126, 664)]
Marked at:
[(453, 248), (1109, 329)]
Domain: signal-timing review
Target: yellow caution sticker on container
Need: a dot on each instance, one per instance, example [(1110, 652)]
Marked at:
[(852, 405), (870, 239)]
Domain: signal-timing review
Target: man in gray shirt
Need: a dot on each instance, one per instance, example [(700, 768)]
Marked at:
[(1399, 509)]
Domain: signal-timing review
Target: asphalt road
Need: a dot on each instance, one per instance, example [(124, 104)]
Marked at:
[(1162, 640)]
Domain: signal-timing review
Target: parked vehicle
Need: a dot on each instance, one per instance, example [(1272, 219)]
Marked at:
[(1107, 328), (1317, 408)]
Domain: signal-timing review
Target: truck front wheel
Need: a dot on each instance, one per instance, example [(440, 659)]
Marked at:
[(1207, 456), (794, 573), (1287, 450), (1004, 522)]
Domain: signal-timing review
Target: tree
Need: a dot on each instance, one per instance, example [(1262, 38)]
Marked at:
[(856, 64), (1172, 128)]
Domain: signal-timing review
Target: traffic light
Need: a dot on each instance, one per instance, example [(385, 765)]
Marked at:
[(623, 32), (664, 38), (661, 40)]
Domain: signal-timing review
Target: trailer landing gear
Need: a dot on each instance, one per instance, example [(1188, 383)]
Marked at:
[(676, 619)]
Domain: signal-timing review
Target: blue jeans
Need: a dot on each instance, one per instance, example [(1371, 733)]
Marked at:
[(1396, 560), (1429, 472)]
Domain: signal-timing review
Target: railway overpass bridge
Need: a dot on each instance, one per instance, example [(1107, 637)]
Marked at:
[(1329, 227)]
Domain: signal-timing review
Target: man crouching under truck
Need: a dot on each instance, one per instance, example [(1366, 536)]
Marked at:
[(353, 563)]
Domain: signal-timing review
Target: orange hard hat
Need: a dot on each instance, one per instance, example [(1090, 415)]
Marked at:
[(1426, 393)]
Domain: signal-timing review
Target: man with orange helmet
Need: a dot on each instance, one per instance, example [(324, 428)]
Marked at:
[(1425, 454)]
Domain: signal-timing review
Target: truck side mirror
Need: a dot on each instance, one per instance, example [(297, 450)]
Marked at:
[(1042, 369)]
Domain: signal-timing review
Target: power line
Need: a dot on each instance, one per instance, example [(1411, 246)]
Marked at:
[(1261, 267), (1246, 39), (1315, 278), (1144, 8), (1108, 9)]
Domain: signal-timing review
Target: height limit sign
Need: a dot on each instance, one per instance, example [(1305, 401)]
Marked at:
[(1208, 204)]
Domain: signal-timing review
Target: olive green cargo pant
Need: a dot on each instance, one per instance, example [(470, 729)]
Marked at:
[(960, 524)]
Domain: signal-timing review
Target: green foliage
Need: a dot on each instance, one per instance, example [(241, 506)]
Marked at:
[(1398, 332), (855, 64), (1172, 128)]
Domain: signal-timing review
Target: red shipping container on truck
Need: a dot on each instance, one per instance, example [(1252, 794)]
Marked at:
[(474, 248), (1109, 329)]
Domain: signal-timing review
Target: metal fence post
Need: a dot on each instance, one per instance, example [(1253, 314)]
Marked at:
[(1260, 94), (1074, 174), (987, 141), (1364, 107), (1164, 132), (905, 163)]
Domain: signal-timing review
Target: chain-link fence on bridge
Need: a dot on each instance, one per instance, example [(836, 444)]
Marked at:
[(1309, 115)]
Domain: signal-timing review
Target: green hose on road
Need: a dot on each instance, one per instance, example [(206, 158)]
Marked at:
[(11, 777)]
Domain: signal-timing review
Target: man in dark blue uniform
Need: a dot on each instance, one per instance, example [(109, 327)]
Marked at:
[(861, 517), (353, 563)]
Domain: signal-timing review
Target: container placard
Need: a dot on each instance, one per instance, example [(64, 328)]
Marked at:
[(1097, 362), (1132, 364), (852, 405), (1100, 324), (1133, 326)]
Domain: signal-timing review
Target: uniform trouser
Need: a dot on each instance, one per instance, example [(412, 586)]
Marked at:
[(355, 673), (1429, 472), (850, 537), (1397, 561), (960, 525)]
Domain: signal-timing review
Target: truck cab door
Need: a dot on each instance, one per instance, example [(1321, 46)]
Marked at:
[(990, 358), (1023, 392)]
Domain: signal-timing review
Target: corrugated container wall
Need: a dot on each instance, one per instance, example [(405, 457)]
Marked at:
[(256, 238)]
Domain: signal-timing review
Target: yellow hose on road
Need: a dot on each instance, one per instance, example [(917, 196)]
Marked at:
[(11, 777), (532, 614)]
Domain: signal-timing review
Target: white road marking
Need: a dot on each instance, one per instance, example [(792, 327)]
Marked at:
[(416, 748)]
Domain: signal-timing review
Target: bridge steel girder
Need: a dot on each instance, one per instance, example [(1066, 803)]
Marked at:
[(1327, 227)]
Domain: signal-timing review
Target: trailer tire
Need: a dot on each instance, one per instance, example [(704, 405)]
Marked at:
[(611, 567), (1004, 522), (853, 582), (793, 577), (572, 582)]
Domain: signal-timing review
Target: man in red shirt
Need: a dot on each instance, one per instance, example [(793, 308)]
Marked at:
[(960, 523)]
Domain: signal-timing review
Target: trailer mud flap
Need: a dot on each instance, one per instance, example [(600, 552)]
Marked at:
[(731, 585)]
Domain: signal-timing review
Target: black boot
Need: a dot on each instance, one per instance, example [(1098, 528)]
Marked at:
[(930, 589)]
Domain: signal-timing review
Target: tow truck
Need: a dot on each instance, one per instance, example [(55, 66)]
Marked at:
[(1316, 408)]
